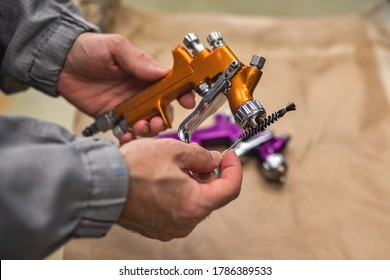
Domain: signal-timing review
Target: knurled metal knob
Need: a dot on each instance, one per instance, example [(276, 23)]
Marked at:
[(215, 39), (191, 41), (249, 114)]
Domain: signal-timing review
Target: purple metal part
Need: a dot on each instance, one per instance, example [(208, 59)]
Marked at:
[(222, 132), (272, 146), (225, 132)]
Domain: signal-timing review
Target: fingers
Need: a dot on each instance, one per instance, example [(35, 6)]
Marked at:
[(227, 187), (152, 127), (205, 177), (135, 62), (149, 128), (197, 159), (187, 100), (126, 138), (145, 128), (181, 202)]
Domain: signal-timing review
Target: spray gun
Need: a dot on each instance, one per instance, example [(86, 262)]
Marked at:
[(265, 145), (216, 74)]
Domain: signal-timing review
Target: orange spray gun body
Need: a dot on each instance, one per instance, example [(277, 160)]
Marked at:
[(217, 75)]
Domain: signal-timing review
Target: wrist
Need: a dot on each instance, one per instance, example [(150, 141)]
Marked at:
[(52, 51)]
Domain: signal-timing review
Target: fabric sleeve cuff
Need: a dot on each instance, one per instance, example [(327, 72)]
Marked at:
[(109, 177), (52, 52)]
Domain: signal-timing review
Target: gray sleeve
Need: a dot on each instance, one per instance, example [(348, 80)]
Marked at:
[(55, 186), (35, 36)]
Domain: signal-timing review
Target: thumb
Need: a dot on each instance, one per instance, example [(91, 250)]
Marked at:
[(136, 62), (199, 160)]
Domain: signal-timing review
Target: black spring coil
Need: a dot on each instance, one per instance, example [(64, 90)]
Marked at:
[(267, 122)]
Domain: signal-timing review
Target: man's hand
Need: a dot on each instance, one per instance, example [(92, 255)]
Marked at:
[(103, 70), (167, 198)]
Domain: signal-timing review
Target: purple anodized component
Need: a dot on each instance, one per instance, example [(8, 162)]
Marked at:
[(225, 132), (272, 146), (222, 132)]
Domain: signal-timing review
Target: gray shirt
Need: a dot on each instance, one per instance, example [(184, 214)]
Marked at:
[(54, 186)]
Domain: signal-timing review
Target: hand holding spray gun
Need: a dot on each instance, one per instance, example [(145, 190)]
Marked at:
[(216, 74)]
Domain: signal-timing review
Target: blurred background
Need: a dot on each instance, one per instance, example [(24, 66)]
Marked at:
[(301, 8), (38, 105)]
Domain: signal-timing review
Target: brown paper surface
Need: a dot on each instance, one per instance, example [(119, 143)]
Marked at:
[(335, 203)]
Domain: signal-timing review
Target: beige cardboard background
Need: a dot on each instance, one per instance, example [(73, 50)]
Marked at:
[(335, 203)]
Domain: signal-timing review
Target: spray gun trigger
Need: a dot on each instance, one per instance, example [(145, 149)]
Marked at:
[(212, 100)]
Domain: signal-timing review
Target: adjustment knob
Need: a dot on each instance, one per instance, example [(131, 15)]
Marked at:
[(215, 40), (250, 114), (191, 41), (257, 61)]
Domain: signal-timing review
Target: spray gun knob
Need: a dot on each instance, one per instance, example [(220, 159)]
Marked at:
[(215, 40), (191, 41), (257, 61), (249, 114)]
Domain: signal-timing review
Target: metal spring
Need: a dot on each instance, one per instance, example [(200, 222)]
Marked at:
[(262, 125), (267, 122)]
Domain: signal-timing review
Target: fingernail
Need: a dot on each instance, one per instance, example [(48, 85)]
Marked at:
[(216, 155), (205, 176), (159, 67)]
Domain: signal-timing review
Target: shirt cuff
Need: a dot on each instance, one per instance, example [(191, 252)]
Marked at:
[(108, 174), (52, 51)]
